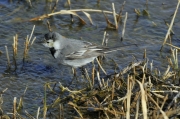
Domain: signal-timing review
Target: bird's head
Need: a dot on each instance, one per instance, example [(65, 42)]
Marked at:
[(52, 40)]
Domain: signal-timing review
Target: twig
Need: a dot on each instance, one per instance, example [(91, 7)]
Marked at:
[(49, 26), (61, 113), (31, 33), (3, 91), (173, 46), (124, 26), (78, 112), (114, 15), (7, 55), (54, 7), (93, 74), (30, 3), (85, 10), (67, 89), (99, 80), (173, 101), (101, 66), (115, 101), (144, 56), (37, 115), (120, 12), (88, 78), (29, 115), (130, 67), (163, 113), (129, 86), (143, 100), (14, 108), (170, 27), (33, 40)]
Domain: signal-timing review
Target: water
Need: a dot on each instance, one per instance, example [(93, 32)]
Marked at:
[(40, 67)]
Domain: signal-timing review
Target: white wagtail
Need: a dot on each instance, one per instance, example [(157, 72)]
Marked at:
[(72, 52)]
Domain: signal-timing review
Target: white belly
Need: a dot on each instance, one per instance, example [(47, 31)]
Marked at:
[(78, 62)]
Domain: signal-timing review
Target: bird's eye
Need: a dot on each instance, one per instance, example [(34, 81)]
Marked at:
[(47, 42)]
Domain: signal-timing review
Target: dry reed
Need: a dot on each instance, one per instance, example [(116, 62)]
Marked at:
[(7, 55), (171, 25)]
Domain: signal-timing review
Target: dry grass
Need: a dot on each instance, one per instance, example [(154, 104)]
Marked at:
[(137, 91)]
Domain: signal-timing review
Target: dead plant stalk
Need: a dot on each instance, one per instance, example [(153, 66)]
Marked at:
[(170, 27)]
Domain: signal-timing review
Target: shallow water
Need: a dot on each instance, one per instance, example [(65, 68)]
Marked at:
[(40, 67)]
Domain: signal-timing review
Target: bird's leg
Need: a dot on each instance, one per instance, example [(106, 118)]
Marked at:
[(83, 71), (74, 76), (74, 72)]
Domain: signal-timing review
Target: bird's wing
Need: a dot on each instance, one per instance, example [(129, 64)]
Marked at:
[(85, 52)]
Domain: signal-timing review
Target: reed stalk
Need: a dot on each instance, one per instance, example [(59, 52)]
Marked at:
[(7, 55), (14, 107), (170, 27), (114, 15), (124, 26)]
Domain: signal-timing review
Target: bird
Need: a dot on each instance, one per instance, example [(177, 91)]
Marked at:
[(73, 52)]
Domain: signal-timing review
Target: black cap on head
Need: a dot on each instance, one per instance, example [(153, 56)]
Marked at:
[(50, 35)]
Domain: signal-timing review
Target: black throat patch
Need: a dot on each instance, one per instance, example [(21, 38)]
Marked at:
[(52, 51)]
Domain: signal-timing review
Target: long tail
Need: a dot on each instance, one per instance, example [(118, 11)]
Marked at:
[(109, 50)]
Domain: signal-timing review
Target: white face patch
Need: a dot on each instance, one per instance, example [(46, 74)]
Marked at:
[(48, 43), (57, 45)]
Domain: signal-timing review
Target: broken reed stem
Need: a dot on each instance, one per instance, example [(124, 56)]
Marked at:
[(78, 10), (88, 78), (78, 112), (31, 34), (33, 40), (143, 100), (106, 40), (120, 12), (61, 113), (104, 36), (28, 115), (26, 47), (69, 4), (114, 15), (93, 75), (7, 55), (144, 56), (15, 39), (14, 108), (27, 43), (30, 3), (163, 113), (3, 91), (137, 108), (99, 80), (170, 27), (113, 89), (165, 99), (124, 26), (37, 115), (128, 98), (14, 45), (101, 66), (173, 46), (49, 26), (54, 7)]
